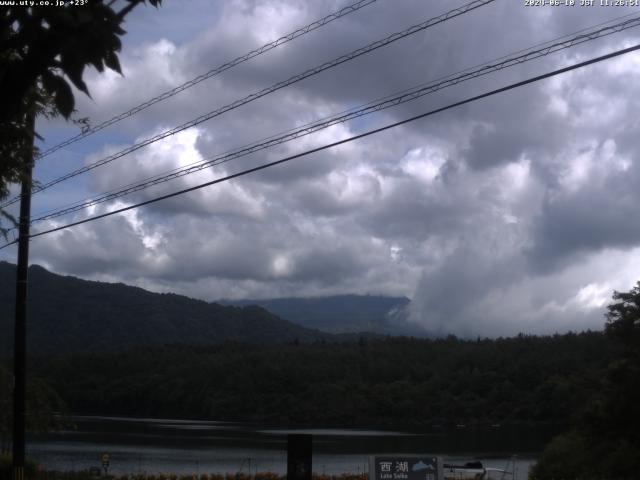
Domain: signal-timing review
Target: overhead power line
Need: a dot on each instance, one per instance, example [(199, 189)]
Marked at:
[(388, 102), (341, 142), (254, 96), (212, 73)]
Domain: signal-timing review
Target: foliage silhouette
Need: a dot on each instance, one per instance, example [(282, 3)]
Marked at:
[(604, 441), (42, 49)]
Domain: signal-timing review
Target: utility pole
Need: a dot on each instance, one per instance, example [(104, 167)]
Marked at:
[(20, 338)]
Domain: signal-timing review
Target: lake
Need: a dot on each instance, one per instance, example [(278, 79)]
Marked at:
[(137, 445)]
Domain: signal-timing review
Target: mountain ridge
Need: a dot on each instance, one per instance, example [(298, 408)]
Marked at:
[(66, 313), (339, 314)]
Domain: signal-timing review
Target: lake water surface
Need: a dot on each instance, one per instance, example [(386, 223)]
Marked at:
[(137, 445)]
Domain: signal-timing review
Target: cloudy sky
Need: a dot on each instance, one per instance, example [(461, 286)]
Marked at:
[(517, 213)]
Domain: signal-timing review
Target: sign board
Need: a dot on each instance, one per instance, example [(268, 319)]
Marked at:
[(405, 467)]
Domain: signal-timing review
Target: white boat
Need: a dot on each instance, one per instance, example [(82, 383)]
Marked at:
[(474, 471)]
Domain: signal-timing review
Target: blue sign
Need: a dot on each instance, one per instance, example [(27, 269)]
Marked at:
[(405, 467)]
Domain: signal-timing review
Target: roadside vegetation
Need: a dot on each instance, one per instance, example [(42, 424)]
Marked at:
[(46, 411), (37, 474)]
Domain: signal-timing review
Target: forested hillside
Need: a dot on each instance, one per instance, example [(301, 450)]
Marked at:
[(342, 313), (396, 382), (69, 314)]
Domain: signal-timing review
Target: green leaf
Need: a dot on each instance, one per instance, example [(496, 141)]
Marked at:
[(85, 16), (61, 17), (111, 61), (49, 82), (58, 87), (64, 98), (73, 68)]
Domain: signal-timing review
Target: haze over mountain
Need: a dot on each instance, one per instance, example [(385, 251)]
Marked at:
[(342, 313), (69, 314)]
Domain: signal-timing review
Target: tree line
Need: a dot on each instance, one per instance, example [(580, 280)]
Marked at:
[(392, 382)]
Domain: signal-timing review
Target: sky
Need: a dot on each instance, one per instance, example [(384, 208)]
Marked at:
[(513, 214)]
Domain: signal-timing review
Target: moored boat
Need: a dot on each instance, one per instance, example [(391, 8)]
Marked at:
[(473, 471)]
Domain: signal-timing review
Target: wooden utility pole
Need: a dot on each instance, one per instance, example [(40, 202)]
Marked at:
[(20, 338)]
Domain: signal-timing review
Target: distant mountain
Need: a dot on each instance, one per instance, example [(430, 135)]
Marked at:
[(342, 313), (72, 315)]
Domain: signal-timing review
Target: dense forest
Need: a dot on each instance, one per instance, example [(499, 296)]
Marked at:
[(393, 382)]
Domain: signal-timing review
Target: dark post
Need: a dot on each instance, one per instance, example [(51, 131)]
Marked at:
[(299, 454), (20, 339)]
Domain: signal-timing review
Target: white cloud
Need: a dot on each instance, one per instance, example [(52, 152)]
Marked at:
[(424, 163)]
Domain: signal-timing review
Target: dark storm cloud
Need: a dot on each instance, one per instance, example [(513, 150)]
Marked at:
[(409, 212), (450, 294), (591, 218), (506, 133)]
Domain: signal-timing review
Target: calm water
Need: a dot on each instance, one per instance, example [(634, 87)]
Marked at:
[(138, 445)]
